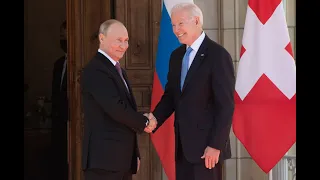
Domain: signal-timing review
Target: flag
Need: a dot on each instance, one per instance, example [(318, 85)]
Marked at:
[(163, 138), (265, 99)]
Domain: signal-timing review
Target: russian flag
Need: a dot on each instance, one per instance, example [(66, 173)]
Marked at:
[(163, 138)]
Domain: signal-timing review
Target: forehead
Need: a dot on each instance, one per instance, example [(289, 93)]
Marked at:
[(117, 31), (180, 14)]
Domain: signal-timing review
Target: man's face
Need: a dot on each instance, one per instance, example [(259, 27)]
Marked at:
[(185, 26), (63, 33), (115, 43)]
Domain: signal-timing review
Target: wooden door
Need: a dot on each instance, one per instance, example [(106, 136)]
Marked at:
[(142, 21)]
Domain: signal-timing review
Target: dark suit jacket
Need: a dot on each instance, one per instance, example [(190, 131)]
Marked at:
[(111, 120), (59, 97), (204, 108), (59, 132)]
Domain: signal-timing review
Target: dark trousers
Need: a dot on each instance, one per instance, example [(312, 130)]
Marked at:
[(59, 152), (189, 171), (101, 174)]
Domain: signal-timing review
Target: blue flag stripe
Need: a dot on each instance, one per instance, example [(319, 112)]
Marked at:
[(166, 44)]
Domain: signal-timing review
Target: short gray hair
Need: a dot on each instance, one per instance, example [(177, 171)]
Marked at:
[(189, 7), (104, 27)]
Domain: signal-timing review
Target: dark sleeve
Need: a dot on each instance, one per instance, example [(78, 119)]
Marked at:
[(223, 86), (137, 149), (104, 91), (165, 107)]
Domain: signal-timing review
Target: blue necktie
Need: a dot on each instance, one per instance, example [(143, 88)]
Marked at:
[(185, 66)]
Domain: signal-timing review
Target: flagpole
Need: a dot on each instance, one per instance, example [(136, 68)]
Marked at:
[(238, 144), (161, 4), (238, 161), (270, 175)]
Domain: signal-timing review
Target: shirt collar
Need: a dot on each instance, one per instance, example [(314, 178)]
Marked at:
[(197, 43), (108, 57)]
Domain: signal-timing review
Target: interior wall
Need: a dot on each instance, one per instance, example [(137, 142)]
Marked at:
[(42, 19)]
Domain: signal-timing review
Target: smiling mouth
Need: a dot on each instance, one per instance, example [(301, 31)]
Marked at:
[(179, 35)]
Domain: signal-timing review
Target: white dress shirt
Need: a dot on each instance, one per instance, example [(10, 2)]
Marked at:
[(195, 47), (63, 70)]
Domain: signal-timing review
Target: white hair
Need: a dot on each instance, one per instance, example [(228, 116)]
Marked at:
[(104, 27), (189, 7)]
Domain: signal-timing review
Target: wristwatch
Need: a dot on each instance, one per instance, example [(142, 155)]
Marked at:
[(147, 122)]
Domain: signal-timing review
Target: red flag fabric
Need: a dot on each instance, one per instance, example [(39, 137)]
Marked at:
[(265, 99)]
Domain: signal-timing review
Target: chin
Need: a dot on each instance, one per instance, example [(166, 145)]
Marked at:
[(182, 41)]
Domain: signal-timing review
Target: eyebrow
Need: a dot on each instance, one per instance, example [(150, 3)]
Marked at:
[(119, 38)]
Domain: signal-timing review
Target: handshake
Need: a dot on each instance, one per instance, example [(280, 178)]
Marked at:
[(152, 122)]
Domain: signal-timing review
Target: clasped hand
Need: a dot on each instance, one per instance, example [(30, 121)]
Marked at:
[(152, 122)]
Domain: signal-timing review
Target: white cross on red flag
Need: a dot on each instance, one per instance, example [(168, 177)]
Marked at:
[(265, 99)]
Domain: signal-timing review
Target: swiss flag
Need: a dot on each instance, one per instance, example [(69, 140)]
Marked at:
[(265, 98)]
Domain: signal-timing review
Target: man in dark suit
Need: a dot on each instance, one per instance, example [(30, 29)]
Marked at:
[(200, 87), (111, 121), (59, 99)]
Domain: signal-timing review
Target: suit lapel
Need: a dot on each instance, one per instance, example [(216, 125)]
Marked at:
[(125, 87), (129, 87), (198, 59), (64, 81), (179, 56), (116, 75)]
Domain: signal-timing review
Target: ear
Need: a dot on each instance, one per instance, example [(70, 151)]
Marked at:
[(197, 20), (101, 37)]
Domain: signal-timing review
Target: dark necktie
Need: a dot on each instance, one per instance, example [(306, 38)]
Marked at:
[(120, 73), (185, 66)]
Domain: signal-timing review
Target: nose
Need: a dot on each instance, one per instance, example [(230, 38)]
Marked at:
[(176, 29), (124, 45)]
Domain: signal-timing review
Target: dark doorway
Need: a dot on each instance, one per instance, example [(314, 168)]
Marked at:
[(42, 34)]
